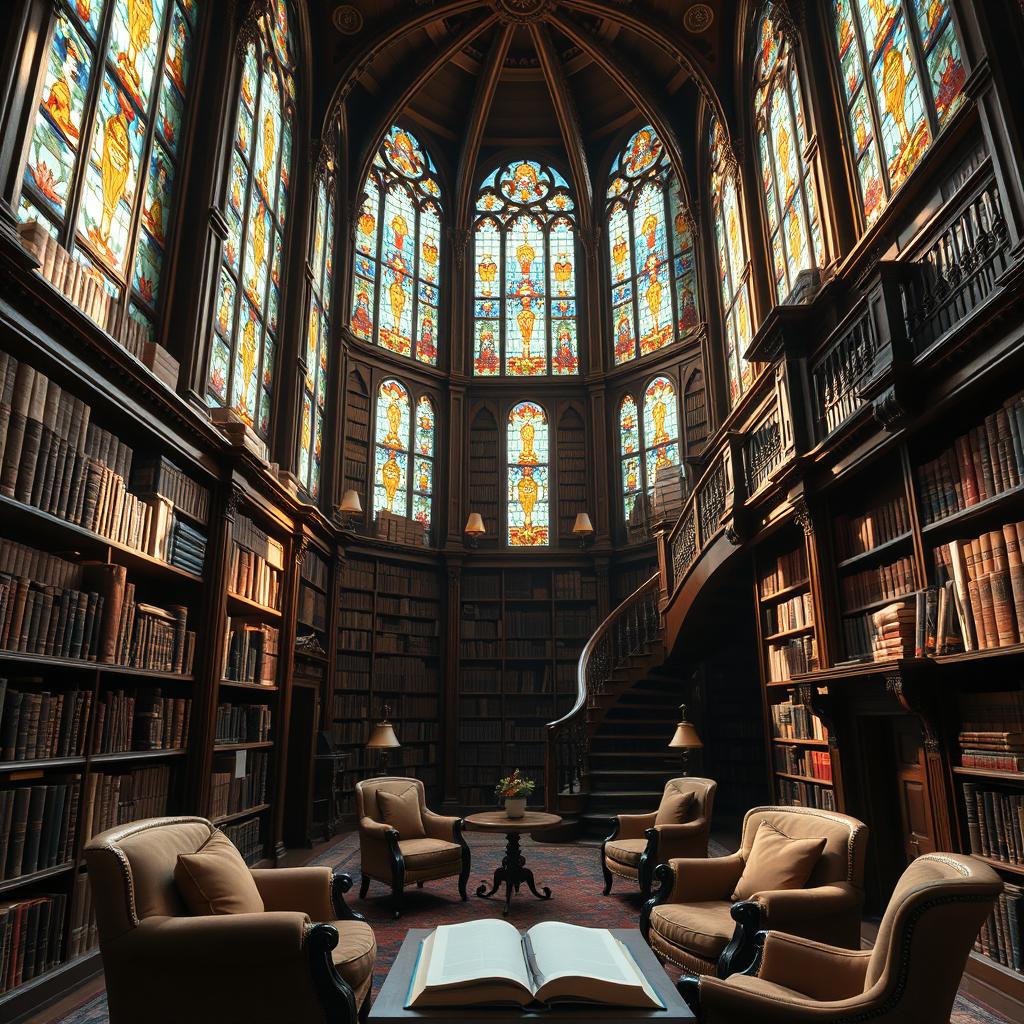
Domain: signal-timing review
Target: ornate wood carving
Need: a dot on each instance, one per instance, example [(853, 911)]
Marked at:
[(802, 514)]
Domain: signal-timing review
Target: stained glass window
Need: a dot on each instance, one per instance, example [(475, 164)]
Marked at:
[(794, 229), (314, 393), (524, 259), (105, 149), (527, 466), (731, 255), (398, 251), (903, 77), (245, 329), (650, 242), (398, 439)]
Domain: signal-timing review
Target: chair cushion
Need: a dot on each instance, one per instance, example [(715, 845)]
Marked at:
[(215, 880), (626, 851), (676, 808), (355, 954), (402, 812), (701, 928), (777, 861), (420, 854)]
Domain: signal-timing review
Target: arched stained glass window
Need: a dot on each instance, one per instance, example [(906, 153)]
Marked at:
[(654, 291), (630, 454), (395, 436), (245, 330), (731, 252), (314, 393), (105, 149), (398, 251), (903, 78), (794, 229), (524, 305), (527, 463)]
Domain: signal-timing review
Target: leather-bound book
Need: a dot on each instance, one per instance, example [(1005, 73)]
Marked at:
[(8, 372), (32, 438), (46, 442), (1002, 591), (19, 824), (21, 399), (109, 581), (34, 829)]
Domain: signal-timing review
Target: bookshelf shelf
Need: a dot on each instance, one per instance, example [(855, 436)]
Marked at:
[(872, 606), (1001, 865), (237, 684), (865, 557), (818, 744), (249, 812), (219, 748), (101, 667), (804, 778), (132, 756), (247, 606), (790, 591), (991, 773), (787, 633), (41, 764), (9, 884), (956, 520)]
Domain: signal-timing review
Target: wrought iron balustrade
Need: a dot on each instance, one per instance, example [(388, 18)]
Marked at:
[(711, 500), (837, 373), (763, 450)]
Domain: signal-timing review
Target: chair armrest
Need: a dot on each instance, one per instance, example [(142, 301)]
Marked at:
[(307, 890), (340, 884), (782, 909), (742, 999), (699, 879), (632, 826), (689, 839), (371, 829), (438, 826), (815, 969)]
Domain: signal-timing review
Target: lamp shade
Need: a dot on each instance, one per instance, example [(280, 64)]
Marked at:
[(475, 525), (383, 737), (685, 737), (583, 526), (350, 503)]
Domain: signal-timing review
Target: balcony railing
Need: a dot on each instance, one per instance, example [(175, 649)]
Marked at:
[(836, 374), (763, 449)]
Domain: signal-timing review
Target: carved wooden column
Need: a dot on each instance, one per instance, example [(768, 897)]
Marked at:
[(457, 476), (822, 705), (817, 573)]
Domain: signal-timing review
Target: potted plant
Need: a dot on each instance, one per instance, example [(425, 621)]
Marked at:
[(514, 789)]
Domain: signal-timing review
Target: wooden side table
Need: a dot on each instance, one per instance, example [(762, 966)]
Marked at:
[(513, 870)]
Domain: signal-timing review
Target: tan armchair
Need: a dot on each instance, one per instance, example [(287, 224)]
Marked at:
[(388, 857), (694, 923), (308, 958), (909, 977), (637, 843)]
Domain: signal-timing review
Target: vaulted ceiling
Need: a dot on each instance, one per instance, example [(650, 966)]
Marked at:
[(480, 77)]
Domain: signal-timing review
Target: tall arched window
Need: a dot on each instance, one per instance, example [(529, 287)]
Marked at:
[(654, 292), (105, 149), (398, 250), (395, 435), (886, 49), (630, 455), (787, 179), (731, 251), (314, 393), (528, 503), (524, 308), (241, 375)]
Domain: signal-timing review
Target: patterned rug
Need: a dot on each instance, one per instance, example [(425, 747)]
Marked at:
[(572, 871)]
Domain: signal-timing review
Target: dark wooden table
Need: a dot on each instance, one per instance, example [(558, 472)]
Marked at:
[(389, 1006), (513, 870)]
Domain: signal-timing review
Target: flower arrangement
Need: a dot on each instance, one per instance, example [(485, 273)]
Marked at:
[(514, 786)]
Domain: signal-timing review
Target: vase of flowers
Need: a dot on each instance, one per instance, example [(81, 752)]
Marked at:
[(514, 789)]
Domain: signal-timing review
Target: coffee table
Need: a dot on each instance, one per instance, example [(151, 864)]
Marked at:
[(389, 1006), (513, 871)]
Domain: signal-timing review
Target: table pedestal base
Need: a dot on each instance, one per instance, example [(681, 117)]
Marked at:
[(514, 873)]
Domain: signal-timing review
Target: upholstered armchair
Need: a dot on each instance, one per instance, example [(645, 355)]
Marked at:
[(401, 841), (909, 977), (678, 828), (306, 958), (702, 922)]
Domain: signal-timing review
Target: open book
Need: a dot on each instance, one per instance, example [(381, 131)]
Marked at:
[(490, 962)]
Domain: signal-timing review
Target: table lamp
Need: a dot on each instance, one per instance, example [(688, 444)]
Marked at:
[(685, 737), (383, 738), (474, 528), (350, 507), (583, 528)]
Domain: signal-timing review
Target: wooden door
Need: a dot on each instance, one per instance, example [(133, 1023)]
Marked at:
[(913, 798)]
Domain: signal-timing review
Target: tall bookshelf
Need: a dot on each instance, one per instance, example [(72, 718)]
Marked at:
[(572, 472), (484, 473), (521, 632)]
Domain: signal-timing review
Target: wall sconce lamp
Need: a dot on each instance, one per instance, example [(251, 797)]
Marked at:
[(685, 737), (349, 508), (583, 528), (474, 529)]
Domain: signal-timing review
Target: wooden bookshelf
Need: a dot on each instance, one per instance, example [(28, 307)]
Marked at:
[(483, 488)]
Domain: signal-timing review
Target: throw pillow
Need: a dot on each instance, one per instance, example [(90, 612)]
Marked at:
[(777, 861), (215, 880), (676, 808), (402, 812)]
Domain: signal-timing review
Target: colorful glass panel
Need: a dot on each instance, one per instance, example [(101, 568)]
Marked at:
[(527, 460), (391, 436), (423, 466), (650, 247)]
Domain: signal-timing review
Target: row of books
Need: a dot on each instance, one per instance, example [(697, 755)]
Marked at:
[(355, 578), (242, 723), (257, 563), (575, 623), (84, 933), (806, 794), (185, 547), (401, 606), (140, 720), (251, 651), (794, 722), (348, 705), (995, 822), (986, 461), (788, 570), (856, 535), (154, 638), (882, 583), (313, 570), (814, 764), (400, 529), (117, 798), (922, 627), (988, 578), (574, 586), (37, 826), (246, 837), (405, 582), (792, 658), (160, 476), (391, 643), (312, 608), (1002, 935), (232, 790), (407, 627), (39, 724), (31, 938), (794, 613)]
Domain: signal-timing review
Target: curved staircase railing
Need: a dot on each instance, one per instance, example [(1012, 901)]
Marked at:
[(623, 634)]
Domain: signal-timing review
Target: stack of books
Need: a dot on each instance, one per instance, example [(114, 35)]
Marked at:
[(895, 629), (992, 730)]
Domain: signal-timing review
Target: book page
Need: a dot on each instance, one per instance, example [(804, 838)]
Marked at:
[(477, 950)]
